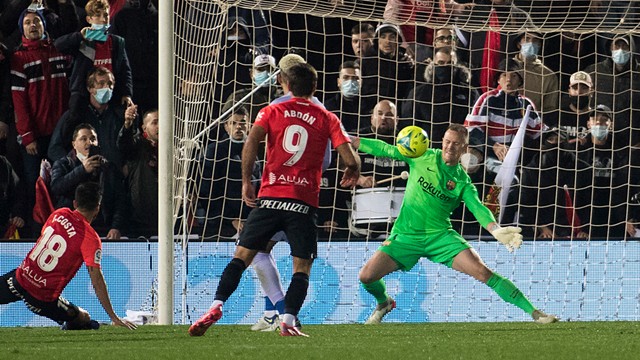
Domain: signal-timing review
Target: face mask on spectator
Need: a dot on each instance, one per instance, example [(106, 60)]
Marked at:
[(350, 88), (97, 32), (442, 74), (600, 132), (620, 57), (529, 50), (260, 78), (103, 95), (580, 101)]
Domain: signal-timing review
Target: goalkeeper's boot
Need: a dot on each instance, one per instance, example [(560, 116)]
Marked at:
[(542, 318), (381, 310), (211, 317), (267, 323), (286, 330)]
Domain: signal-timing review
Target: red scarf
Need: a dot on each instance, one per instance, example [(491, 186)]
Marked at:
[(103, 53), (491, 55)]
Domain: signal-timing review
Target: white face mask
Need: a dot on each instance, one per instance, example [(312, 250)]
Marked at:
[(469, 162), (600, 132), (620, 57), (233, 37)]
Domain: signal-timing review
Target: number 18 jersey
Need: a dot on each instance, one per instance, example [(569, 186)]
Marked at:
[(67, 239), (297, 134)]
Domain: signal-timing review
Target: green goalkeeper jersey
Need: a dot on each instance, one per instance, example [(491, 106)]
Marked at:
[(434, 189)]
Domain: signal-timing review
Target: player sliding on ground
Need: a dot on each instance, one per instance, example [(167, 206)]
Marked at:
[(437, 184)]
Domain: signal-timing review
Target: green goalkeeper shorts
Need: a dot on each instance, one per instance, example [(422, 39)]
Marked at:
[(441, 248)]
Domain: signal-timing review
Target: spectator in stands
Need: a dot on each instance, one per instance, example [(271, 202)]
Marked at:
[(384, 122), (446, 97), (235, 59), (496, 117), (80, 166), (607, 172), (60, 18), (362, 40), (348, 106), (616, 81), (569, 52), (221, 186), (267, 90), (6, 105), (91, 47), (420, 38), (104, 116), (137, 24), (442, 37), (12, 207), (540, 82), (140, 153), (573, 115), (489, 48), (40, 93), (545, 206), (387, 69)]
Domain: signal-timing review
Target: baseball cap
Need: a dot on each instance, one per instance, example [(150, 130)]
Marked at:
[(602, 109), (289, 61), (580, 77), (264, 60), (621, 37)]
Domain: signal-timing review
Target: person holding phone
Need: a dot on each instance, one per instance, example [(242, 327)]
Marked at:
[(86, 163)]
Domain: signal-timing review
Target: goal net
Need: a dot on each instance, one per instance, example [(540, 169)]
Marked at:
[(573, 184)]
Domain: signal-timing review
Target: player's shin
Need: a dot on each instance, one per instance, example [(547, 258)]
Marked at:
[(510, 293), (378, 289), (295, 296), (230, 279)]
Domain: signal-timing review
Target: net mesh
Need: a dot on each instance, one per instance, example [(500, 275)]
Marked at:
[(581, 272)]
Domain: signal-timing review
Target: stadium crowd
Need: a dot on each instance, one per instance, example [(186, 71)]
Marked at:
[(577, 174)]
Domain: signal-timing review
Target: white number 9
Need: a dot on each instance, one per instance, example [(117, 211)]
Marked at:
[(294, 144)]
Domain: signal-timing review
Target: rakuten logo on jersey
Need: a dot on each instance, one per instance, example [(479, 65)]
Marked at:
[(287, 179)]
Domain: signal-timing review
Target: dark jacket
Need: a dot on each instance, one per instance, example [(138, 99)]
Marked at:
[(68, 172), (83, 53), (141, 159)]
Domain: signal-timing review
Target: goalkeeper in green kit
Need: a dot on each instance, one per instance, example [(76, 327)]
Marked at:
[(436, 186)]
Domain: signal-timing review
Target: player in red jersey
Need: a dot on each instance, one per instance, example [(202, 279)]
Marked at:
[(297, 132), (67, 239)]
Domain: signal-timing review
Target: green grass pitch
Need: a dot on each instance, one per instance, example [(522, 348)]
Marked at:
[(518, 341)]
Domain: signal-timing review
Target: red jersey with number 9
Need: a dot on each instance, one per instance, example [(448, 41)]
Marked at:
[(297, 134), (67, 239)]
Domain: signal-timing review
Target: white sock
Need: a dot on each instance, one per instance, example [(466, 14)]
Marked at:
[(270, 313), (216, 303), (265, 267), (289, 319)]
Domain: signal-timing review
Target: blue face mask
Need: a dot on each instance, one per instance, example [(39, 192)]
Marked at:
[(350, 88), (529, 50), (620, 57), (260, 78), (599, 132), (97, 32), (103, 95)]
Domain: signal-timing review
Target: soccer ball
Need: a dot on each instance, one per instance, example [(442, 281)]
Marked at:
[(412, 141)]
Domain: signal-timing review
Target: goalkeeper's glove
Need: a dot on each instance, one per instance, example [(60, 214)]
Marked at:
[(508, 236)]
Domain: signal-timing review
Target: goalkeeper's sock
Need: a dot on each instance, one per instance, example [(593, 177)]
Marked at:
[(230, 279), (378, 289), (296, 293), (510, 293)]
